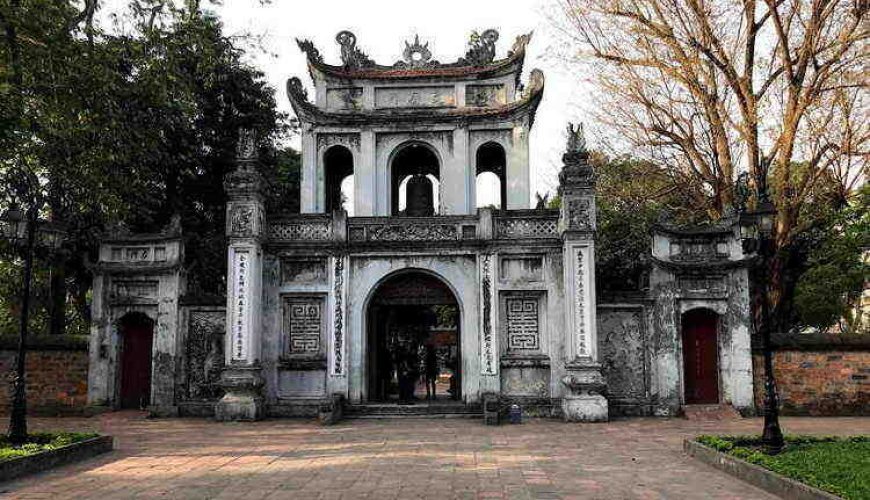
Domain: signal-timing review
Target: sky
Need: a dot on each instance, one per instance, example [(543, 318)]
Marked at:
[(382, 27)]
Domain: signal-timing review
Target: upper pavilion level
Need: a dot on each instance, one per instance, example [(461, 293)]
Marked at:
[(371, 129)]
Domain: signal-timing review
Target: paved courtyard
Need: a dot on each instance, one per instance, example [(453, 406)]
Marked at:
[(386, 459)]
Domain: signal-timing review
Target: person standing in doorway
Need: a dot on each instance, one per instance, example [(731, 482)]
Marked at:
[(431, 374)]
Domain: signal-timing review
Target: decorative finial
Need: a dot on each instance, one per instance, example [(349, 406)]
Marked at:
[(576, 140), (246, 148), (351, 56), (481, 48), (416, 55)]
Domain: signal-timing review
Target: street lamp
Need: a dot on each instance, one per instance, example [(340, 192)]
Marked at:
[(756, 229), (16, 226)]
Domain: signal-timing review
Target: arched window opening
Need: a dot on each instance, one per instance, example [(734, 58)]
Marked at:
[(415, 181), (338, 166), (491, 158), (488, 189)]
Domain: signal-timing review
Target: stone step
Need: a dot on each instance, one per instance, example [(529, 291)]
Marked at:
[(420, 410), (710, 412)]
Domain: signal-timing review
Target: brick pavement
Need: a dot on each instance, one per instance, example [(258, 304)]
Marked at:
[(388, 459)]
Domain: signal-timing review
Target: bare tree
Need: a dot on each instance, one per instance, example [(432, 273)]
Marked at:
[(710, 88)]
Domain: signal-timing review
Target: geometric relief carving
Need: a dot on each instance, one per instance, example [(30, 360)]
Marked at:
[(303, 324), (204, 357), (621, 348), (315, 230), (522, 323), (522, 228)]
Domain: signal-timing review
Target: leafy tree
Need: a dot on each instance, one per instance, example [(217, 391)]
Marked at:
[(829, 292), (136, 125)]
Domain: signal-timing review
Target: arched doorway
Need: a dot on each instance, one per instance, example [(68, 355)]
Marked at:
[(338, 170), (410, 160), (700, 356), (137, 333), (413, 340)]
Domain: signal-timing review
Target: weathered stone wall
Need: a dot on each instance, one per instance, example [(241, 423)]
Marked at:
[(818, 382), (57, 374)]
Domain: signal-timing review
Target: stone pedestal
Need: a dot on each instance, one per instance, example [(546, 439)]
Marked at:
[(585, 401), (243, 399)]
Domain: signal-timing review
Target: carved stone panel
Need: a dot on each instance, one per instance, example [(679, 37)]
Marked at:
[(484, 95), (522, 268), (526, 228), (204, 354), (344, 99), (415, 97), (134, 289), (523, 328), (621, 342), (581, 214), (303, 325), (350, 140), (303, 271)]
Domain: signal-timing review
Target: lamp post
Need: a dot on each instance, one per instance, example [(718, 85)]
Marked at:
[(756, 228), (18, 225)]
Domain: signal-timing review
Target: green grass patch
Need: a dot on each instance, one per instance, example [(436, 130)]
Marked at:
[(839, 465), (41, 441)]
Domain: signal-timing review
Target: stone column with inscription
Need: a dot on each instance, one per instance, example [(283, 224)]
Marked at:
[(584, 385), (242, 379)]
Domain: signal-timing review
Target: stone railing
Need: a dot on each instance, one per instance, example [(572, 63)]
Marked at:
[(526, 224), (312, 227), (486, 225), (386, 229)]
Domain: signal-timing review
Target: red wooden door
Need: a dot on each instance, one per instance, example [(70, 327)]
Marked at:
[(701, 357), (136, 366)]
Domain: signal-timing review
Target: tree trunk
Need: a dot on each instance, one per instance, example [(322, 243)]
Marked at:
[(57, 301)]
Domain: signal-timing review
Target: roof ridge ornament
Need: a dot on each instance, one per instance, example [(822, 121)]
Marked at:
[(416, 55), (481, 48), (307, 46), (351, 56), (520, 44)]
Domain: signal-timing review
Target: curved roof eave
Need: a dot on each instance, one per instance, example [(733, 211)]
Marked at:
[(309, 113)]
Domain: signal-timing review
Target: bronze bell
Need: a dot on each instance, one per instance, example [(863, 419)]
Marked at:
[(420, 197)]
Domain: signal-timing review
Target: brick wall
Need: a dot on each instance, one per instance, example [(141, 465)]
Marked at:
[(818, 382), (57, 375)]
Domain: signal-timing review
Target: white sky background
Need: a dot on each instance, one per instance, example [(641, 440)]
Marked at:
[(382, 27)]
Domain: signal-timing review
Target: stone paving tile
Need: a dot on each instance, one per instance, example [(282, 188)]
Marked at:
[(398, 459)]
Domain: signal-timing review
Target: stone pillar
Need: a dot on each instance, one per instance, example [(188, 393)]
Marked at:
[(455, 191), (517, 170), (585, 386), (242, 379), (308, 187), (365, 177)]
